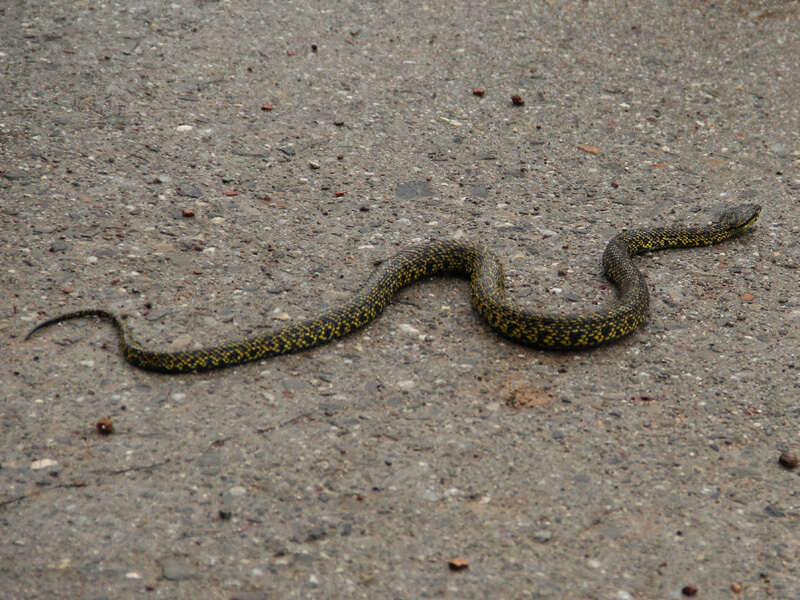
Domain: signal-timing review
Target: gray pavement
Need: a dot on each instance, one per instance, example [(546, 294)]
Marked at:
[(215, 169)]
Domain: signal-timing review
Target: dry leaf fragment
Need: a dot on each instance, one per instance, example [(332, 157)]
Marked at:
[(458, 564), (590, 149)]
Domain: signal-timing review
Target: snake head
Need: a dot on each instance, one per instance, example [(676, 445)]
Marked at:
[(739, 217)]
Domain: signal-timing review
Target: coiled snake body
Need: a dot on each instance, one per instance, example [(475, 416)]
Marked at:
[(487, 281)]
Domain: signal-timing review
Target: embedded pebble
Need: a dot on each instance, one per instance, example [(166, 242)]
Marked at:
[(174, 570), (780, 149), (407, 329), (413, 190), (543, 536), (181, 342), (43, 464), (430, 495)]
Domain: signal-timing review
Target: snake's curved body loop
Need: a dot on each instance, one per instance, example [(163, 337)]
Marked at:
[(487, 289)]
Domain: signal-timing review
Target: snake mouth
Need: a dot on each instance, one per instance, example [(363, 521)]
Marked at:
[(756, 212)]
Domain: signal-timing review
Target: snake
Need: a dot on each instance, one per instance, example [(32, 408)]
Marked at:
[(487, 290)]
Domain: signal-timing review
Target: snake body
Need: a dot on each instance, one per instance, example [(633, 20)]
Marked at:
[(487, 289)]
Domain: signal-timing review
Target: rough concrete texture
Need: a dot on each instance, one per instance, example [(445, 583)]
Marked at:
[(214, 169)]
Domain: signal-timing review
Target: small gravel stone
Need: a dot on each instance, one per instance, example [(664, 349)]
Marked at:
[(181, 342), (14, 175), (175, 570), (209, 459), (780, 149), (543, 536), (189, 191), (430, 495), (409, 330), (414, 190), (788, 460), (43, 464)]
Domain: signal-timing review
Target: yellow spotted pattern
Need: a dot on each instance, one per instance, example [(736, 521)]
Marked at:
[(487, 281)]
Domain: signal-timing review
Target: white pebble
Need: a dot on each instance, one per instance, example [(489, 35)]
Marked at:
[(409, 330)]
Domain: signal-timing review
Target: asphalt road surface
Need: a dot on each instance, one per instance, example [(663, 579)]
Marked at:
[(218, 169)]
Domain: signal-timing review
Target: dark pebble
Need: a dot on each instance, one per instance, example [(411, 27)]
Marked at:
[(13, 175), (774, 511), (689, 590), (59, 246), (189, 191)]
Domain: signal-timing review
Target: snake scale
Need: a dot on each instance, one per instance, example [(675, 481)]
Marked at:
[(487, 289)]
